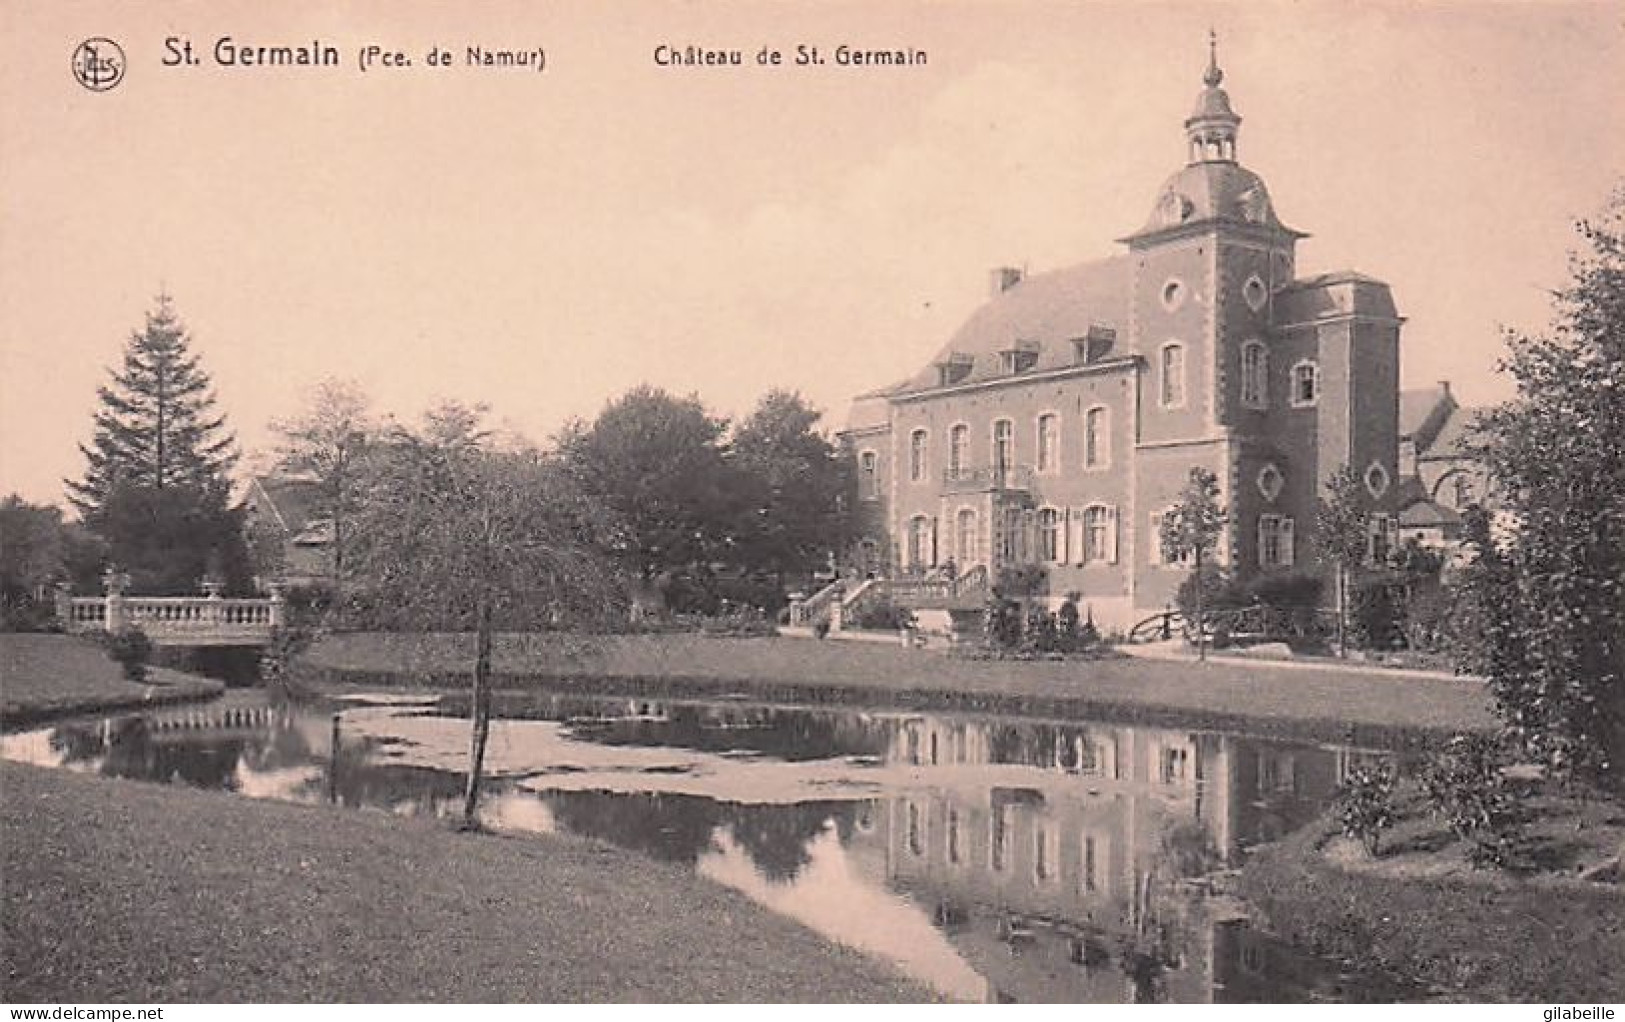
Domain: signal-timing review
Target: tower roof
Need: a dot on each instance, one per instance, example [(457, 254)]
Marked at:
[(1213, 185)]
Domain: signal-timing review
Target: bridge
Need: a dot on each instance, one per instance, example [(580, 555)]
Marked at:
[(208, 620)]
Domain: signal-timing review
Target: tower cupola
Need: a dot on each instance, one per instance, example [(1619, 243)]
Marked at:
[(1212, 127)]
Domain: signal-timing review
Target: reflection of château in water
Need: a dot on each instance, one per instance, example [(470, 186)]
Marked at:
[(1064, 876), (1015, 859)]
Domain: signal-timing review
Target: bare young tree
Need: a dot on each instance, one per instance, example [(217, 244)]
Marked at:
[(326, 443), (1191, 527), (1340, 537), (455, 536)]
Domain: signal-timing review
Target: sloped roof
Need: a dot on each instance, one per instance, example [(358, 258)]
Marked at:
[(1043, 313), (1212, 190), (1452, 439), (1426, 513), (1409, 490), (293, 502), (1422, 412)]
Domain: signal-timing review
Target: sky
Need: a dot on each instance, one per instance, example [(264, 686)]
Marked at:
[(544, 241)]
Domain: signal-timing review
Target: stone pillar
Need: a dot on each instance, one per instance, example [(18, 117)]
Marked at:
[(213, 615), (114, 582), (64, 605), (279, 604)]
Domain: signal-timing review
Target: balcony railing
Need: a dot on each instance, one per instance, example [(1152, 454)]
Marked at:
[(987, 478)]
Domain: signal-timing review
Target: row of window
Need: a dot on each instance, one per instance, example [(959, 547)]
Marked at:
[(1305, 384), (1002, 452), (1089, 535), (1049, 535), (1255, 379), (1093, 847)]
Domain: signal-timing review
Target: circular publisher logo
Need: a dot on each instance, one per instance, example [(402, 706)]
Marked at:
[(98, 64)]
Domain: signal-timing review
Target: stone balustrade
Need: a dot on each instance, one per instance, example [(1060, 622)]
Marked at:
[(211, 620)]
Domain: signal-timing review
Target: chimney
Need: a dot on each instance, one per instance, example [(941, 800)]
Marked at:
[(1004, 278)]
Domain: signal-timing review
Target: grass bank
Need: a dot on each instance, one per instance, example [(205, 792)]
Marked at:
[(122, 891), (44, 676), (1478, 936), (1372, 708)]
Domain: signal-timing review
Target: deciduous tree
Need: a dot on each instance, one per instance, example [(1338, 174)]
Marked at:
[(797, 482), (1340, 537), (326, 443), (1554, 599), (657, 464), (455, 536)]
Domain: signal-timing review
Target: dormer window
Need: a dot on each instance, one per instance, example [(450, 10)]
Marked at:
[(1019, 357), (1093, 346), (953, 369)]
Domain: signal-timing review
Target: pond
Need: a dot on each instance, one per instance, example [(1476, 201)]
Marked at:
[(992, 858)]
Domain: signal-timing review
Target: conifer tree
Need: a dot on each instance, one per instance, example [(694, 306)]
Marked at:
[(157, 426), (156, 487)]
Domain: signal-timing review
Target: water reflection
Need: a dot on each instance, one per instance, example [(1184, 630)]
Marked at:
[(996, 859)]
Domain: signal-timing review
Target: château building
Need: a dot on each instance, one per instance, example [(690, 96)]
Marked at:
[(1060, 422)]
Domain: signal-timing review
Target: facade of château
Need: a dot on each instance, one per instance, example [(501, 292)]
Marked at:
[(1058, 425)]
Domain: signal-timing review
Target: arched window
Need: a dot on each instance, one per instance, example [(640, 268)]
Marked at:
[(918, 455), (1171, 385), (1048, 442), (1255, 368), (1049, 535), (1305, 384), (958, 443), (965, 537), (1173, 294), (1097, 437), (1004, 447), (868, 476)]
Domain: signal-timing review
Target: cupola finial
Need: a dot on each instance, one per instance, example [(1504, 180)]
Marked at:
[(1214, 76)]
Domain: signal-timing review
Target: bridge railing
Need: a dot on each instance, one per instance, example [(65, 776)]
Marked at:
[(177, 619)]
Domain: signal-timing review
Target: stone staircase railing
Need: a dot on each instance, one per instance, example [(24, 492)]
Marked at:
[(813, 610)]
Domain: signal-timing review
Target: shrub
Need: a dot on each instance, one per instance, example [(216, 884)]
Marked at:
[(286, 645), (1376, 613), (883, 616), (1365, 805), (1217, 592), (1465, 786), (131, 650), (1021, 580), (1066, 619), (1001, 622), (1290, 590)]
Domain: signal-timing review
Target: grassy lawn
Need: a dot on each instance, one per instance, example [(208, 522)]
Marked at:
[(1326, 704), (1479, 935), (50, 675), (121, 891)]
